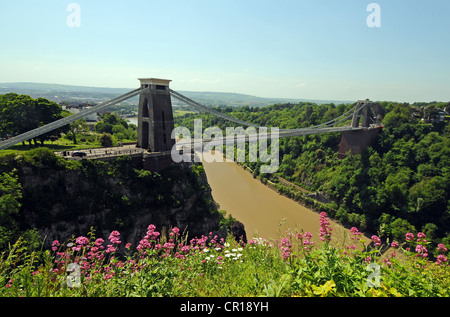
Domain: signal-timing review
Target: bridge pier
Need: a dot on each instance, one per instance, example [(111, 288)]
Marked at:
[(355, 142)]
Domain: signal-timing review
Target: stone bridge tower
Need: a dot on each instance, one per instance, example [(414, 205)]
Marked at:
[(155, 116), (356, 141)]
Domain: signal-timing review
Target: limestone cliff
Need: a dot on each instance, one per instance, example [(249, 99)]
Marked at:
[(66, 199)]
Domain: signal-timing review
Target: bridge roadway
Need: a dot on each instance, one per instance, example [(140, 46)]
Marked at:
[(132, 150), (104, 152)]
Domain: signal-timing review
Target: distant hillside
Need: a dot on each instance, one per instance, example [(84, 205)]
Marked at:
[(59, 93)]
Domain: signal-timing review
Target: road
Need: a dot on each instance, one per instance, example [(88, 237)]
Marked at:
[(102, 152)]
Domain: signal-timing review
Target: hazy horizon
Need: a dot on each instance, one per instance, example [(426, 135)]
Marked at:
[(318, 50)]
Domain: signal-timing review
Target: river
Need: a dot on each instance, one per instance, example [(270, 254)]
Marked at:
[(263, 211)]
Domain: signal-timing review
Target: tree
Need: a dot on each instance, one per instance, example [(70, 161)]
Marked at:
[(400, 227), (106, 140), (77, 126), (21, 113), (10, 195)]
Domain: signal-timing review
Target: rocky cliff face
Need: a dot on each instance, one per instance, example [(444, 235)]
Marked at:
[(67, 200)]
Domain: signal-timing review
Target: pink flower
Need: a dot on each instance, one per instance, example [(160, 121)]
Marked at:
[(286, 247), (442, 247), (55, 245), (376, 240), (325, 229), (175, 231), (355, 232), (409, 236), (99, 242), (110, 249), (114, 237), (441, 259), (82, 240), (128, 245), (421, 250), (421, 235), (394, 244)]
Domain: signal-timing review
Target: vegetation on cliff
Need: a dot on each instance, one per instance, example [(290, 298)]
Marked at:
[(57, 198)]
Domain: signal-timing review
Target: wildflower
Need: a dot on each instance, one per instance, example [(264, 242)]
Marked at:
[(394, 244), (114, 237), (421, 250), (325, 229), (99, 242), (409, 236), (421, 235), (286, 247), (175, 231), (441, 247), (376, 240), (110, 249), (387, 261), (127, 246), (185, 249), (82, 240), (151, 233), (251, 242), (55, 245), (441, 259), (355, 232)]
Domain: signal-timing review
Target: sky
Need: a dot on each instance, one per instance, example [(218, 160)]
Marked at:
[(306, 49)]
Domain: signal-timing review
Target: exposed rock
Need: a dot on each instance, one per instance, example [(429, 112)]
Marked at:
[(67, 202)]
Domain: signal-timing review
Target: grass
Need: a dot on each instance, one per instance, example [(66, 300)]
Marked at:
[(61, 144), (167, 264)]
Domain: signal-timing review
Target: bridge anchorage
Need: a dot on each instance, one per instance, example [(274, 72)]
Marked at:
[(155, 123)]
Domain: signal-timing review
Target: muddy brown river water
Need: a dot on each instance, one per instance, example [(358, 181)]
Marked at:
[(264, 212)]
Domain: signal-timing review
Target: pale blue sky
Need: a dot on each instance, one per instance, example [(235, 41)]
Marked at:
[(316, 49)]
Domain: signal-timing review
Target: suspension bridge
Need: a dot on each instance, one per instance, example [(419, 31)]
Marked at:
[(155, 119)]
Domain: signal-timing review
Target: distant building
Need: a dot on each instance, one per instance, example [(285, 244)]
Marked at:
[(76, 107), (437, 116)]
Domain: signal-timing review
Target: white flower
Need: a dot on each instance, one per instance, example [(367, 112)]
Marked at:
[(226, 244)]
